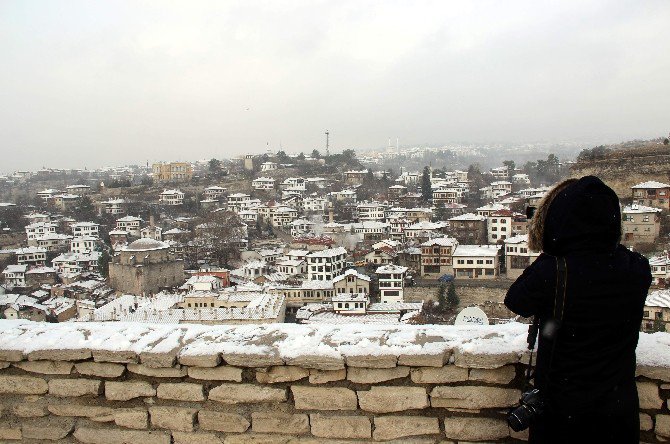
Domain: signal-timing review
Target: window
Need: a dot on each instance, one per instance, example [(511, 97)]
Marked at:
[(645, 314), (658, 315)]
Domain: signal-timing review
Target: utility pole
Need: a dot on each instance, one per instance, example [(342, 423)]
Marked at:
[(327, 143)]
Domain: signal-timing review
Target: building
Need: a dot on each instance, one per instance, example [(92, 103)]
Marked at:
[(268, 166), (66, 201), (15, 276), (476, 261), (83, 244), (47, 195), (391, 283), (351, 303), (113, 206), (35, 256), (436, 256), (301, 227), (354, 177), (652, 193), (38, 230), (351, 281), (517, 255), (660, 269), (172, 172), (152, 232), (85, 229), (214, 192), (263, 184), (640, 224), (656, 314), (145, 267), (468, 228), (313, 204), (283, 216), (238, 202), (370, 211), (499, 226), (325, 265), (71, 263), (171, 197), (129, 224), (79, 190)]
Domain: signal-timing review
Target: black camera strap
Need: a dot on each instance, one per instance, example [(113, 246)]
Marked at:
[(559, 308)]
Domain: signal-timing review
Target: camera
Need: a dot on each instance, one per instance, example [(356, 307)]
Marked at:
[(523, 416)]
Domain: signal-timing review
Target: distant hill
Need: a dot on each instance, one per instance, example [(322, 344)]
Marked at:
[(624, 165)]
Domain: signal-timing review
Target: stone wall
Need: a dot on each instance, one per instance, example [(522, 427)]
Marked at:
[(126, 383)]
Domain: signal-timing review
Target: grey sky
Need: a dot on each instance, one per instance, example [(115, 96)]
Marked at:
[(94, 83)]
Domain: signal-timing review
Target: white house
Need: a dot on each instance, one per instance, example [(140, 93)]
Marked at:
[(113, 206), (39, 229), (85, 229), (152, 232), (476, 261), (292, 267), (371, 211), (15, 275), (48, 194), (203, 283), (31, 255), (129, 224), (499, 226), (300, 227), (83, 244), (313, 204), (268, 166), (391, 283), (327, 264), (263, 183), (214, 192), (171, 197), (350, 303), (238, 202), (517, 255), (283, 216), (79, 190)]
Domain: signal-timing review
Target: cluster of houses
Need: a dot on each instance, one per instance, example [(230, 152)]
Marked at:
[(330, 258)]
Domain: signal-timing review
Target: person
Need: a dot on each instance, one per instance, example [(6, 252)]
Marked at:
[(586, 370)]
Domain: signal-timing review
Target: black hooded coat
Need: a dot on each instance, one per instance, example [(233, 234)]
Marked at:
[(589, 384)]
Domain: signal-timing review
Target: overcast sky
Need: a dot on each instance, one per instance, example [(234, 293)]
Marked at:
[(92, 83)]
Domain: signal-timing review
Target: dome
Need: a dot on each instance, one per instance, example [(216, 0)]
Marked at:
[(146, 244)]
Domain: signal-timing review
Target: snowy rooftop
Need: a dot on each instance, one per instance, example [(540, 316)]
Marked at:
[(476, 250), (331, 252), (441, 241), (391, 268), (639, 209), (517, 239), (468, 216), (658, 298), (651, 184)]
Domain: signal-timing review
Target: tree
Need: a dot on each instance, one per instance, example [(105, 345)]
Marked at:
[(301, 156), (442, 297), (666, 141), (218, 236), (282, 157), (452, 297), (440, 213), (85, 209), (214, 165), (511, 166), (316, 154), (426, 187), (103, 263)]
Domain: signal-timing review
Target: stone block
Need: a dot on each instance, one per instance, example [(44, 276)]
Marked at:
[(425, 359), (324, 376), (394, 427), (282, 423), (223, 373), (75, 387), (46, 367), (131, 418), (662, 426), (376, 375), (648, 371), (76, 354), (252, 360), (473, 359), (47, 429), (90, 435), (167, 372), (4, 364), (100, 369), (439, 375), (502, 375), (345, 427), (649, 397), (473, 397), (246, 393), (283, 373), (324, 398), (10, 433), (182, 391), (23, 385), (120, 356), (207, 360), (392, 399), (222, 422), (646, 423), (125, 391), (372, 361), (158, 359), (317, 362), (7, 355), (264, 438), (173, 418), (475, 429), (98, 413), (30, 408), (196, 438)]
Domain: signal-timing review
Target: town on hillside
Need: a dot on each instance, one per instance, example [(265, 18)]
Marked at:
[(303, 238)]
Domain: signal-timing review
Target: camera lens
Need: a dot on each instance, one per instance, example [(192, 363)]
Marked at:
[(519, 419)]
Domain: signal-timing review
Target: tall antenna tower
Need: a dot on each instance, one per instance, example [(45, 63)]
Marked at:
[(327, 143)]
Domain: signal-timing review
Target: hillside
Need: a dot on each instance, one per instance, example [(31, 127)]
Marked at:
[(626, 164)]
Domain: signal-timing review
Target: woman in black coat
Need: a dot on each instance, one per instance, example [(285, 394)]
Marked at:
[(589, 385)]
